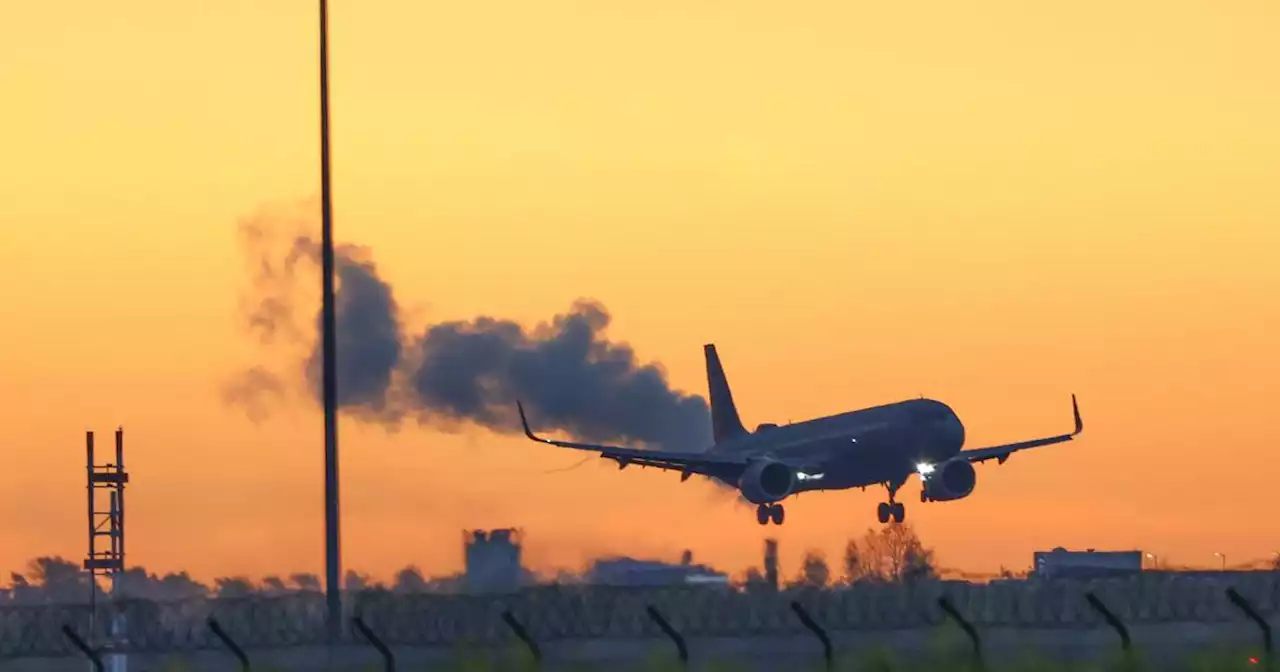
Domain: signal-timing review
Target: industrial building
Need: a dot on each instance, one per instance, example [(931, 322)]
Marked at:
[(1061, 563), (493, 562), (633, 572)]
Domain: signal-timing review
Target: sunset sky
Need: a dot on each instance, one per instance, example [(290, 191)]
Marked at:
[(994, 204)]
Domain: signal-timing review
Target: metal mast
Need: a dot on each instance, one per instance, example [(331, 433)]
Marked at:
[(332, 555), (108, 561)]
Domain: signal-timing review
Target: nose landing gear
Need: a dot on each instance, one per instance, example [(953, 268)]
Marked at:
[(770, 512), (892, 509)]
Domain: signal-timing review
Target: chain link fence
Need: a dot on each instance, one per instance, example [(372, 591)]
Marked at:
[(579, 613)]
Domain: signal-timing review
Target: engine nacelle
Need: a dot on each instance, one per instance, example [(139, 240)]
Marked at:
[(950, 480), (766, 481)]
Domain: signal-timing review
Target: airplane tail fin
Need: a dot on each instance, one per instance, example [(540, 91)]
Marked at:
[(724, 414)]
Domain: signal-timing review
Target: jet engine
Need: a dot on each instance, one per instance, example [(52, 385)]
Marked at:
[(766, 481), (951, 480)]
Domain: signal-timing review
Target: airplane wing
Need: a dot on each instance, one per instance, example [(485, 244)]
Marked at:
[(685, 462), (1002, 453)]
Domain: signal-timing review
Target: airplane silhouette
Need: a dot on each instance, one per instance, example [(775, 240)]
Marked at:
[(881, 445)]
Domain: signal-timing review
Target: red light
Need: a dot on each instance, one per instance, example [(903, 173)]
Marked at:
[(1253, 660)]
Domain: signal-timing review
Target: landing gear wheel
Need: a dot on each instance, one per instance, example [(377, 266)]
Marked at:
[(778, 514), (762, 514), (892, 508)]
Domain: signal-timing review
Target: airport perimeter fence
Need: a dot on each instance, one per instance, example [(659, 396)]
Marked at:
[(681, 614)]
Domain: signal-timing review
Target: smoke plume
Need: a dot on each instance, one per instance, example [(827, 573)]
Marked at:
[(570, 376)]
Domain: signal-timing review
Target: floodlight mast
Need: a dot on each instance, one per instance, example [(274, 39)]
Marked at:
[(333, 558)]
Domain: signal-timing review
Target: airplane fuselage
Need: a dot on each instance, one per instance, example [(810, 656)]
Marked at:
[(874, 445)]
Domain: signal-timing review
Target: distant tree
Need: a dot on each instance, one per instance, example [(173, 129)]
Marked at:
[(21, 590), (59, 579), (410, 580), (233, 586), (307, 582), (814, 572), (892, 553), (274, 585), (135, 583), (355, 581), (180, 586), (917, 561), (854, 567)]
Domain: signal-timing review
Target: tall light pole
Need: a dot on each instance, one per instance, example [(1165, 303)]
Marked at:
[(1223, 556), (332, 554)]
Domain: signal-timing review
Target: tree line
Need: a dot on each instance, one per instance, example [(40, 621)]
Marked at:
[(56, 580), (893, 553)]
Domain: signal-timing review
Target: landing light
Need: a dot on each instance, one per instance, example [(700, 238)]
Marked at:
[(802, 476), (925, 468)]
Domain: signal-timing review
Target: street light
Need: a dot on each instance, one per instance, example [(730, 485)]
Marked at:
[(1155, 561), (332, 554), (1224, 559)]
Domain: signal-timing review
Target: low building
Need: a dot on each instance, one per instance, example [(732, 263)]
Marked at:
[(1089, 563), (633, 572)]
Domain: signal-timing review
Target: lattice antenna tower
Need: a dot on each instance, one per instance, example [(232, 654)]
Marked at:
[(106, 525)]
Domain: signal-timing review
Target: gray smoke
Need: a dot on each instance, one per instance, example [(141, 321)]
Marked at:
[(568, 374), (368, 327), (253, 389)]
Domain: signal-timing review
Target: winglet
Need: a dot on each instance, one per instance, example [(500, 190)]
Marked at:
[(525, 422), (1075, 409)]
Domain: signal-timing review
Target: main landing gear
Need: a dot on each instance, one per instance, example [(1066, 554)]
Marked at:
[(892, 509), (770, 512)]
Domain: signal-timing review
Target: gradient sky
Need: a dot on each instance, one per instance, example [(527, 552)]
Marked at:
[(859, 202)]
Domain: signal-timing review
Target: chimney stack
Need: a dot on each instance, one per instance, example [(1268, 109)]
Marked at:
[(771, 563)]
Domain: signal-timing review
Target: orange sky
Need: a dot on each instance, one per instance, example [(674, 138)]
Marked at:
[(858, 202)]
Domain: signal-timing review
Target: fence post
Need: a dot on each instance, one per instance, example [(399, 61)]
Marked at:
[(510, 619), (950, 610), (1244, 605), (88, 651), (230, 643), (817, 630), (1111, 619), (681, 649), (388, 660)]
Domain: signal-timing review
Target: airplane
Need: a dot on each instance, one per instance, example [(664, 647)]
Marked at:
[(882, 445)]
